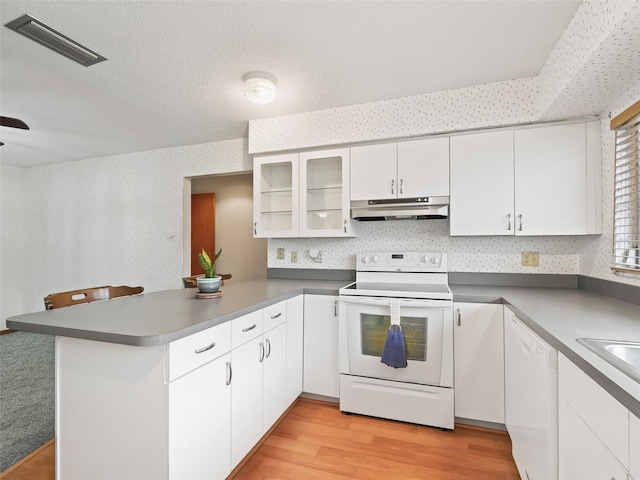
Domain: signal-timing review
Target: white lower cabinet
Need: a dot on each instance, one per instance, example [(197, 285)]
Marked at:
[(634, 446), (582, 455), (321, 373), (246, 398), (274, 376), (479, 362), (295, 340), (593, 429), (259, 372), (200, 422)]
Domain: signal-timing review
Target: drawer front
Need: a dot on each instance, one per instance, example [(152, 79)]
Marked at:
[(190, 352), (246, 328), (602, 413), (634, 429), (274, 315)]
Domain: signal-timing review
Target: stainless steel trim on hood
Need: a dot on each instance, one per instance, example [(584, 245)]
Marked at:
[(419, 208)]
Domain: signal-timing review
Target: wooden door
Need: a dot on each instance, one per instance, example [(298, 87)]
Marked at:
[(203, 228)]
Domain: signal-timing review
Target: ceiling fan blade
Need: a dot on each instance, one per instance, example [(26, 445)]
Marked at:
[(13, 122)]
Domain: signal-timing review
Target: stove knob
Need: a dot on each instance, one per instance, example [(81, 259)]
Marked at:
[(434, 260), (365, 259), (375, 258), (424, 259)]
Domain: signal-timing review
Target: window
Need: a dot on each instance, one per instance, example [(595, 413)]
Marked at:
[(626, 221)]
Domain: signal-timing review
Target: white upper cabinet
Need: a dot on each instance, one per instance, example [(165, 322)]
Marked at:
[(324, 193), (542, 180), (374, 171), (551, 180), (482, 184), (400, 170), (423, 168), (276, 210)]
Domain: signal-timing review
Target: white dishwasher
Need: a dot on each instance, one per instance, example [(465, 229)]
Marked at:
[(531, 400)]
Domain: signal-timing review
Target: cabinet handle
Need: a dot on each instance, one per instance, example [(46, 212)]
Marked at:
[(521, 222), (255, 228), (459, 318), (247, 329), (509, 217), (229, 373), (276, 315), (268, 347), (261, 352), (401, 182), (335, 308), (393, 182), (345, 226), (204, 349)]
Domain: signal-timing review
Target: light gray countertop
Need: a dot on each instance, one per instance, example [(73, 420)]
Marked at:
[(157, 318), (558, 315)]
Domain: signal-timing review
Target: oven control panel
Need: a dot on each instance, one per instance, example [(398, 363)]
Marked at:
[(402, 261)]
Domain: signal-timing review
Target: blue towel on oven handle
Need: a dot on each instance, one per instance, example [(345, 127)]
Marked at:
[(394, 353)]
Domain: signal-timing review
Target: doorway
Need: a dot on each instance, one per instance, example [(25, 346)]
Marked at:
[(243, 256)]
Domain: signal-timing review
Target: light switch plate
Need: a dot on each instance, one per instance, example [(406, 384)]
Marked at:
[(294, 257), (280, 253)]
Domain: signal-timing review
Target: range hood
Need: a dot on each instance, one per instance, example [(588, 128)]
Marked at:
[(420, 208)]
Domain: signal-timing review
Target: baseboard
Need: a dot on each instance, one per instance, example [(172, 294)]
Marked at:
[(24, 460), (7, 330)]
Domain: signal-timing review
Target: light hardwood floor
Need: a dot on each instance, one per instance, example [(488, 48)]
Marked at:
[(316, 441)]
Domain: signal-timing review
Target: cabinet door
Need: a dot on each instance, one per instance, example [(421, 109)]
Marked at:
[(274, 376), (324, 193), (581, 454), (374, 171), (551, 180), (276, 196), (295, 339), (423, 168), (482, 184), (634, 445), (200, 422), (479, 362), (246, 398), (321, 374)]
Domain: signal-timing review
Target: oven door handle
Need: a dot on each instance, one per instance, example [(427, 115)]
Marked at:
[(402, 302)]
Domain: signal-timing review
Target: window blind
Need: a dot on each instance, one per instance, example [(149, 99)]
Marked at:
[(626, 222)]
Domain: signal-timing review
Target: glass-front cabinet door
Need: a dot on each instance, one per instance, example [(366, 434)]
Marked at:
[(275, 196), (324, 194)]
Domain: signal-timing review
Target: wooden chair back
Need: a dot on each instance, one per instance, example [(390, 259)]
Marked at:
[(87, 295)]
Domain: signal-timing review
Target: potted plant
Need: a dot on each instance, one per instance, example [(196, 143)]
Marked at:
[(210, 283)]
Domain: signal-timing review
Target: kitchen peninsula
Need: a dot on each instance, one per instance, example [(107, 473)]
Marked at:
[(128, 393)]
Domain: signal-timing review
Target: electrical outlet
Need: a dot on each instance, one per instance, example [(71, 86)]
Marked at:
[(280, 253), (294, 257), (530, 259)]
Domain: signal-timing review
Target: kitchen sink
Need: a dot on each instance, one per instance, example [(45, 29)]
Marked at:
[(625, 356)]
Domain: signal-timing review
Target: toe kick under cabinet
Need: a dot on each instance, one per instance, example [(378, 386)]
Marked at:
[(191, 409)]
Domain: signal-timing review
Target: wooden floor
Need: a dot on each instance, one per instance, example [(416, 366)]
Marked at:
[(316, 441)]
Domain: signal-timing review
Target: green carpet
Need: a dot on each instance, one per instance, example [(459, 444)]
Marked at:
[(27, 394)]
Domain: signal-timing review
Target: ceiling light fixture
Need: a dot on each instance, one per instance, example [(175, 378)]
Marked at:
[(259, 87), (47, 36)]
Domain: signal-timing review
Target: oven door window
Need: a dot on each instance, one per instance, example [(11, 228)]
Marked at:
[(373, 333), (364, 330)]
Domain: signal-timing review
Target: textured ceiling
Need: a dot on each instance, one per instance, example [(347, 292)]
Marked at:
[(174, 70)]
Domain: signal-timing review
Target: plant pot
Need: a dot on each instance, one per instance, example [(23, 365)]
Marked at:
[(208, 285)]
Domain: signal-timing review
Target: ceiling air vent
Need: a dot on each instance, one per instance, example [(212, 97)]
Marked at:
[(47, 36)]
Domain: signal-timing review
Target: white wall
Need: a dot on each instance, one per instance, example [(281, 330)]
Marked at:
[(11, 266), (114, 220)]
